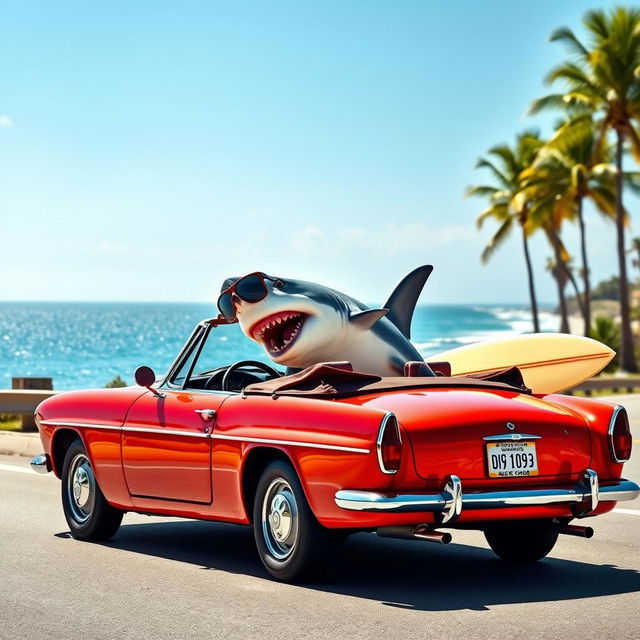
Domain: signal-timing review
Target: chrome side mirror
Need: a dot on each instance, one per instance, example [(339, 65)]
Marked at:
[(145, 377)]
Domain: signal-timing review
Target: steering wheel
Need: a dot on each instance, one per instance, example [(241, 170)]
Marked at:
[(247, 363)]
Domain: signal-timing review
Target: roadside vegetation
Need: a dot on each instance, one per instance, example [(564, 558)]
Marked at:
[(539, 185), (116, 383), (10, 422)]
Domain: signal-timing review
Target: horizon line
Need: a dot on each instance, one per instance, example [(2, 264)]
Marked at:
[(419, 304)]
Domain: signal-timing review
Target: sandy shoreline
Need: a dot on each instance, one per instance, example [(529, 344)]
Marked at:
[(576, 324)]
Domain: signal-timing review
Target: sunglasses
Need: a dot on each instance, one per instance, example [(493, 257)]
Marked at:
[(250, 288)]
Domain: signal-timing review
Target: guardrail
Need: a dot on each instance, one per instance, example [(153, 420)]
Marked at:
[(23, 402), (614, 384)]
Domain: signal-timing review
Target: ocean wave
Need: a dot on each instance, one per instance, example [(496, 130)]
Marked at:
[(521, 320)]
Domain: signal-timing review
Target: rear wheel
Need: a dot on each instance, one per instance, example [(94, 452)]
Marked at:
[(521, 541), (88, 514), (290, 541)]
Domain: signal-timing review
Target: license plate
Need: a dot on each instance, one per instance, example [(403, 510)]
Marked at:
[(511, 459)]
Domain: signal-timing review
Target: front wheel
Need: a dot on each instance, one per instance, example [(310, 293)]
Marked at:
[(88, 514), (290, 541), (521, 541)]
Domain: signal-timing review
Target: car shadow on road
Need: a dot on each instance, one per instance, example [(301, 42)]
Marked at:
[(396, 573)]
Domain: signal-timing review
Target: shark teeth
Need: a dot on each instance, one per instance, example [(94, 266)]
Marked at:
[(278, 331)]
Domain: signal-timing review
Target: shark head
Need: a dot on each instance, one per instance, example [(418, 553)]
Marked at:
[(295, 322), (301, 323)]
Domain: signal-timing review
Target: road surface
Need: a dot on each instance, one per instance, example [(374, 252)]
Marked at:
[(162, 578)]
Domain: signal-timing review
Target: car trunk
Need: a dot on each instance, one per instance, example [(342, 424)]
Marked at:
[(448, 430)]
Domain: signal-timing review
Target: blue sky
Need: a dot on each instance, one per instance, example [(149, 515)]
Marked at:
[(148, 150)]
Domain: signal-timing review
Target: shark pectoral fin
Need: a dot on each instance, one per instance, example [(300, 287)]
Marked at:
[(366, 319), (402, 301)]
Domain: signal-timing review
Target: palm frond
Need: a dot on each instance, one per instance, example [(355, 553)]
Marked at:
[(567, 37), (604, 198), (483, 163), (498, 212), (481, 190), (506, 155), (595, 22), (575, 132), (578, 81), (565, 256), (554, 101), (497, 240), (632, 181)]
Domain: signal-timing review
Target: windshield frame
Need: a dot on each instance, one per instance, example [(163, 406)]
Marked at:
[(196, 341)]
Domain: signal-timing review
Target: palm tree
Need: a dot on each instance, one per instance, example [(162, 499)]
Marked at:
[(603, 78), (560, 276), (573, 168), (545, 214), (506, 205)]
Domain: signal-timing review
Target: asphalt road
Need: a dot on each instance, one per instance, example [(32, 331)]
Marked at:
[(163, 578)]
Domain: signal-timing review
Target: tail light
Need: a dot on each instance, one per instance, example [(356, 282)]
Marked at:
[(620, 435), (389, 445)]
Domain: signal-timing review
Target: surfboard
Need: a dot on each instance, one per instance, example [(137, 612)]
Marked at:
[(549, 362)]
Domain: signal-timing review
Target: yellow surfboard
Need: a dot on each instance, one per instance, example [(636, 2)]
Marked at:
[(549, 362)]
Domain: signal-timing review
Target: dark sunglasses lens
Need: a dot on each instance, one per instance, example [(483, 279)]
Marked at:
[(251, 289), (226, 306)]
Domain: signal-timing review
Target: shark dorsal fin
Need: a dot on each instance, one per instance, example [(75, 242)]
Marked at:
[(402, 301)]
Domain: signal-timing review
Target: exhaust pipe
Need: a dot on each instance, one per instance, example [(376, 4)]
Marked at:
[(410, 532), (575, 530)]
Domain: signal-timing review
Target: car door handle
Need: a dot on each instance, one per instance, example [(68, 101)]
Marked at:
[(206, 414)]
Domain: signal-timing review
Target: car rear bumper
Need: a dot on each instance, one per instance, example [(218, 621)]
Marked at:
[(452, 500), (41, 463)]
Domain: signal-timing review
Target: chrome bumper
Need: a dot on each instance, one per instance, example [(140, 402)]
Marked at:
[(451, 501), (41, 463)]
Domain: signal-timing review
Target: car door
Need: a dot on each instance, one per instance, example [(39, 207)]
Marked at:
[(166, 445)]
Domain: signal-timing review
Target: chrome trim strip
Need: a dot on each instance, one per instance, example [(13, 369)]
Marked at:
[(377, 502), (166, 432), (87, 425), (370, 501), (383, 426), (612, 423), (41, 463), (620, 492), (217, 436), (311, 445), (511, 436)]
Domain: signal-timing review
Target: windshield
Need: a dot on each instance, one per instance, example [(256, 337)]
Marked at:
[(223, 345)]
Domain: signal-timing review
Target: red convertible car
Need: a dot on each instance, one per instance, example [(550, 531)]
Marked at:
[(311, 457)]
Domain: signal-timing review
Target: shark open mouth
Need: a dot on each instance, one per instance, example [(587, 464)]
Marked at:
[(279, 331)]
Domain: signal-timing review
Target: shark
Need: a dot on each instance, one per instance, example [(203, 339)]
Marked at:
[(301, 323)]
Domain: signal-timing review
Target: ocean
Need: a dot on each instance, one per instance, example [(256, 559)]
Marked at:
[(85, 345)]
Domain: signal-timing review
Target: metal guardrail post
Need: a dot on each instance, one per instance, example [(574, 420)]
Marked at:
[(40, 384)]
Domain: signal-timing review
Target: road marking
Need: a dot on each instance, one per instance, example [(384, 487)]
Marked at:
[(11, 467), (31, 472), (628, 512)]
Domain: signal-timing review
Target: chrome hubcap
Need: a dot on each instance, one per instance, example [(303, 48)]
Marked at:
[(81, 488), (280, 519)]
